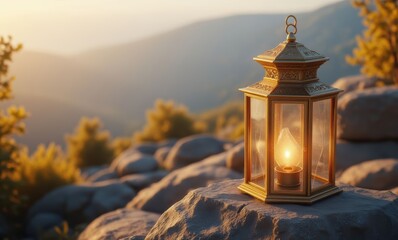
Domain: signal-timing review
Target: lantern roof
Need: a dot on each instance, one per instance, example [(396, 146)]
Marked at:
[(290, 69), (290, 51)]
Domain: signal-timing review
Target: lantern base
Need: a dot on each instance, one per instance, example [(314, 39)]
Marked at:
[(260, 194), (288, 177)]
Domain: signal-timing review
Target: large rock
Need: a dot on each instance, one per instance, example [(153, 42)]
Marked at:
[(368, 115), (161, 155), (235, 158), (353, 83), (143, 180), (136, 163), (78, 204), (352, 153), (122, 223), (221, 211), (161, 195), (145, 148), (192, 149), (103, 175), (376, 174), (43, 222), (88, 172)]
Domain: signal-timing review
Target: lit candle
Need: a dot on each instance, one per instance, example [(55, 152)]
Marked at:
[(288, 156)]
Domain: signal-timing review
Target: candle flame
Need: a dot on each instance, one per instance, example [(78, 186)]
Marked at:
[(288, 152)]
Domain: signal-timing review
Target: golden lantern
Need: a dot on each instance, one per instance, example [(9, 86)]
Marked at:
[(290, 127)]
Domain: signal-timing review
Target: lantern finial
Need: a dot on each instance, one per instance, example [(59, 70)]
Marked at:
[(290, 35)]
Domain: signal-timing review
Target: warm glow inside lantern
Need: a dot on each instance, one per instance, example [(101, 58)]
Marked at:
[(290, 125)]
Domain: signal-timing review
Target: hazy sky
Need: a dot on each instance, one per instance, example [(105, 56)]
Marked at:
[(71, 26)]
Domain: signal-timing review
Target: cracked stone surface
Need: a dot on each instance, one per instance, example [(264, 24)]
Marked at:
[(221, 211), (122, 223)]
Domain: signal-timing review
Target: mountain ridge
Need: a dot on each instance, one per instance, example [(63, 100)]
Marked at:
[(200, 65)]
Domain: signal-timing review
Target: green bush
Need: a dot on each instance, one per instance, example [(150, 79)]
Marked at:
[(89, 145), (45, 170), (10, 124), (225, 121), (167, 120)]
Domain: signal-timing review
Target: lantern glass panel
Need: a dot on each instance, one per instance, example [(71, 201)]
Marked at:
[(288, 147), (258, 146), (321, 125)]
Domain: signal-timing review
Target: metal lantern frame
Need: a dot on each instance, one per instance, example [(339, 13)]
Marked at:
[(290, 80)]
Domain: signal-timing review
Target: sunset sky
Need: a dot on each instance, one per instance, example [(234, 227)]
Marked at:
[(71, 26)]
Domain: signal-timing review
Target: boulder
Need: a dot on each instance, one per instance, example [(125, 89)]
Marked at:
[(221, 211), (122, 223), (353, 83), (352, 153), (368, 115), (103, 175), (235, 158), (143, 180), (192, 149), (91, 171), (146, 148), (161, 155), (78, 204), (161, 195), (377, 174), (167, 143), (136, 163), (43, 222)]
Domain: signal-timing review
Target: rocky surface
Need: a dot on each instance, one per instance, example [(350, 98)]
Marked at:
[(77, 204), (354, 83), (143, 180), (161, 195), (91, 171), (192, 149), (103, 175), (221, 211), (42, 222), (161, 155), (394, 190), (136, 163), (377, 174), (352, 153), (145, 148), (368, 115), (123, 223), (235, 158)]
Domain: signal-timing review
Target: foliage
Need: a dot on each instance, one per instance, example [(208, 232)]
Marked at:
[(10, 124), (89, 145), (225, 121), (44, 171), (120, 144), (167, 120), (377, 50)]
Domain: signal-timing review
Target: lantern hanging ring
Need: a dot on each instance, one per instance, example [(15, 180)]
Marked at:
[(294, 24)]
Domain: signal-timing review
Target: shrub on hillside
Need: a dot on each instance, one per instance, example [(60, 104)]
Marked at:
[(45, 170), (167, 120), (89, 145), (11, 123), (225, 121), (120, 144)]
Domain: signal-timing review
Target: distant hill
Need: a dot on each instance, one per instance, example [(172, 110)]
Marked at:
[(200, 65), (49, 120)]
